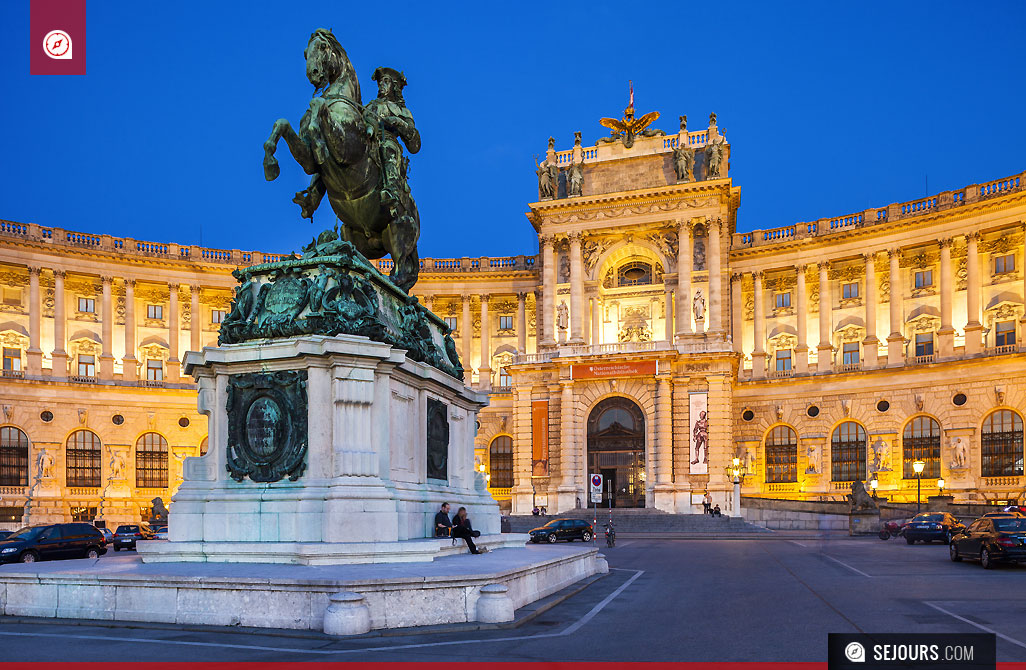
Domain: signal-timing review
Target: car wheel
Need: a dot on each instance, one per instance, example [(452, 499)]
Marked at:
[(953, 553), (985, 560), (586, 537), (92, 552), (910, 540), (552, 538), (29, 557), (885, 535)]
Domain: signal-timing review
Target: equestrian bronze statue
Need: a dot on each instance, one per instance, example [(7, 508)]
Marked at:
[(353, 155)]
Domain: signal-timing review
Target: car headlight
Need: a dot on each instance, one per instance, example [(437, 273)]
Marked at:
[(8, 550)]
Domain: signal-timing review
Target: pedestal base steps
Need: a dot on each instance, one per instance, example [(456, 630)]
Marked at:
[(329, 598)]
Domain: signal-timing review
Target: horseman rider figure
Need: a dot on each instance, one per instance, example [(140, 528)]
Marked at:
[(395, 121)]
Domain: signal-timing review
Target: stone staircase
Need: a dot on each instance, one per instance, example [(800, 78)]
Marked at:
[(650, 523)]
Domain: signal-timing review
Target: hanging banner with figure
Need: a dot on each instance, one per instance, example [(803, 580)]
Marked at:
[(539, 438), (699, 413)]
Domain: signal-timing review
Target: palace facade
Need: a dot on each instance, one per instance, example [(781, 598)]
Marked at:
[(648, 342)]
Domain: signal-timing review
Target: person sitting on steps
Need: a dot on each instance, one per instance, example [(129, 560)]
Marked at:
[(443, 527), (461, 528)]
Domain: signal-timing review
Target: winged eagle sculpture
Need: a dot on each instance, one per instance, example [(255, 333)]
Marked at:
[(627, 128)]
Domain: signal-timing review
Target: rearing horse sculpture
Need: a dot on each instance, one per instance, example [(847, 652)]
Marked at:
[(340, 143)]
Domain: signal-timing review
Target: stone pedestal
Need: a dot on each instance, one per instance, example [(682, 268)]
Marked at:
[(865, 522), (325, 440)]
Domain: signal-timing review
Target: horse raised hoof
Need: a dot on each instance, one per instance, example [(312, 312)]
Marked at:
[(271, 168)]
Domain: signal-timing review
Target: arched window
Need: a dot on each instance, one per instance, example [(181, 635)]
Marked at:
[(151, 461), (921, 442), (500, 458), (848, 453), (634, 273), (782, 455), (14, 463), (203, 447), (83, 459), (1002, 444)]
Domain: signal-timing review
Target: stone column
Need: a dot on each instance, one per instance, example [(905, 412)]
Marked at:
[(759, 354), (484, 372), (596, 321), (684, 260), (801, 350), (737, 311), (521, 323), (196, 321), (567, 444), (34, 355), (1022, 263), (870, 345), (668, 312), (664, 430), (60, 315), (130, 363), (107, 331), (523, 492), (715, 280), (546, 311), (946, 334), (824, 351), (895, 340), (173, 363), (973, 327), (576, 290), (467, 332)]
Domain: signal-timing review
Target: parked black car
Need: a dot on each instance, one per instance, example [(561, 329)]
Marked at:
[(126, 536), (563, 529), (991, 540), (60, 540), (930, 526)]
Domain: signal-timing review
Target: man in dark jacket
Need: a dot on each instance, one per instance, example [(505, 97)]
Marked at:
[(443, 527)]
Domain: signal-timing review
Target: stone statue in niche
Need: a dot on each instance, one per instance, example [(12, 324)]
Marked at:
[(813, 455), (698, 261), (44, 465), (562, 316), (879, 463), (959, 449), (564, 268), (714, 159), (117, 466), (698, 304)]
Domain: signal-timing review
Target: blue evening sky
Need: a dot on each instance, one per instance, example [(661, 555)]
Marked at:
[(830, 107)]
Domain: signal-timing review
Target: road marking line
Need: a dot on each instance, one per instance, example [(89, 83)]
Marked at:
[(799, 544), (980, 626), (326, 652), (855, 570)]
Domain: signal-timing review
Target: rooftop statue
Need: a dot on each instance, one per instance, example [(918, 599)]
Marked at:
[(627, 128), (353, 153)]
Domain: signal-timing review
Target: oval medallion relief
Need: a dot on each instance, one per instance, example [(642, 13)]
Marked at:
[(266, 427)]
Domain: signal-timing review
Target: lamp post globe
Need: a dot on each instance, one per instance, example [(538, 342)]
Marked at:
[(918, 467)]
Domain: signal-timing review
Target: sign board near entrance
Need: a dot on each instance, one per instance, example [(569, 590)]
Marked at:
[(540, 438), (628, 369), (596, 488)]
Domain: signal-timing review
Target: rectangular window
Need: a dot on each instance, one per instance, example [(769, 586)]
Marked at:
[(1005, 334), (850, 290), (12, 359), (783, 300), (505, 323), (1003, 264), (83, 514), (924, 344), (924, 278), (783, 359), (154, 311), (86, 366), (850, 353), (451, 322), (216, 316), (87, 305), (12, 296), (154, 370), (11, 514), (505, 379)]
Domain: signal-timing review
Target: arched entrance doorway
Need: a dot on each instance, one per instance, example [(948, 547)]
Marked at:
[(616, 450)]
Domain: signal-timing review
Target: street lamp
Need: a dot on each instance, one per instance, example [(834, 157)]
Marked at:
[(940, 485), (737, 473), (873, 483), (918, 467)]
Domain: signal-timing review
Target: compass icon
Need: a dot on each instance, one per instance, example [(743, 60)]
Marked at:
[(57, 44)]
